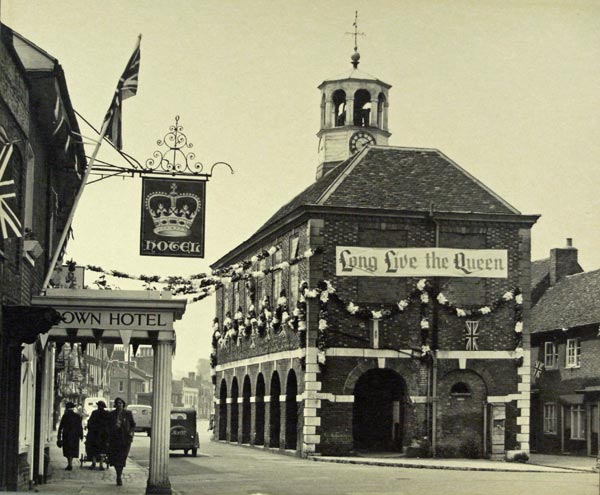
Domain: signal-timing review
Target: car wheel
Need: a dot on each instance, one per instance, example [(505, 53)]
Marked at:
[(185, 451), (194, 452), (148, 432)]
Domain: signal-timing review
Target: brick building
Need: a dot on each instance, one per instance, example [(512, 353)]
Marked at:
[(318, 351), (565, 322), (36, 118)]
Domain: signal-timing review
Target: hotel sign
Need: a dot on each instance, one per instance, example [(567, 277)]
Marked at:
[(173, 218), (355, 261), (115, 319)]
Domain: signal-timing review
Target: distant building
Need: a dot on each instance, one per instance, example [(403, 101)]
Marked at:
[(565, 347)]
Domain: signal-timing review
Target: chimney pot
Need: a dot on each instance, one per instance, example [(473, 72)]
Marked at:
[(569, 242)]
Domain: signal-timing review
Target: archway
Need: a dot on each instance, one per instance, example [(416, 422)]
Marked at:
[(274, 411), (235, 415), (291, 411), (223, 410), (378, 416), (259, 419), (246, 412)]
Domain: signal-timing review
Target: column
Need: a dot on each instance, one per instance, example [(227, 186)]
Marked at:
[(158, 473), (374, 113), (328, 114), (349, 111)]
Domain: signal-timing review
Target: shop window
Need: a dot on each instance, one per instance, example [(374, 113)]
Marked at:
[(573, 357), (577, 422), (550, 418), (550, 355)]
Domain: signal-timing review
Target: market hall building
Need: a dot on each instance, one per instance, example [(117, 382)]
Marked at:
[(384, 308)]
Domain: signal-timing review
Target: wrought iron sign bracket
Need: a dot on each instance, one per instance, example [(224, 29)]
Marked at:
[(174, 160)]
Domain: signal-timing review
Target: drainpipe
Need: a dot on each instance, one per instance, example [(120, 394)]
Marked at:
[(434, 346)]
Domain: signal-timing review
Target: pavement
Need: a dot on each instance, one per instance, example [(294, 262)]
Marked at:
[(84, 481)]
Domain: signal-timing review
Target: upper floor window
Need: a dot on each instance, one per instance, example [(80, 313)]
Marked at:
[(277, 277), (550, 417), (577, 422), (294, 278), (550, 355), (573, 357)]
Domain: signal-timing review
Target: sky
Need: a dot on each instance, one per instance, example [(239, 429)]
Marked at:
[(509, 90)]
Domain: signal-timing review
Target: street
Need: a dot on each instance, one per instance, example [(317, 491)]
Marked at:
[(227, 469)]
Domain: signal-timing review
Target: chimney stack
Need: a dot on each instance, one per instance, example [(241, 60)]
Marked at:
[(563, 262)]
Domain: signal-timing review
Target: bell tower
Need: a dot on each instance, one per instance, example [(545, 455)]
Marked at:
[(354, 113)]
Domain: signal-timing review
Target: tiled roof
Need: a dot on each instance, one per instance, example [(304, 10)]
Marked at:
[(399, 179), (539, 269), (572, 302)]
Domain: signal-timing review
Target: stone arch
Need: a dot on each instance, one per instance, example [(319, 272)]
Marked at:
[(259, 416), (379, 416), (362, 108), (235, 411), (246, 411), (381, 109), (274, 411), (462, 398), (339, 107), (291, 411), (223, 410), (356, 372)]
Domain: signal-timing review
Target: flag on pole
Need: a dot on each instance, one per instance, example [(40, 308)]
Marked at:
[(538, 367), (8, 218), (126, 88)]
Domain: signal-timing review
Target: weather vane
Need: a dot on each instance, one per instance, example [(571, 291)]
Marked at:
[(356, 56)]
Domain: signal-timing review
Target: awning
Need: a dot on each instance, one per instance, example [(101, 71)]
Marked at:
[(571, 398), (589, 390)]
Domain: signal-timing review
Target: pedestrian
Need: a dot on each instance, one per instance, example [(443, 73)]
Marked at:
[(70, 433), (96, 442), (120, 436)]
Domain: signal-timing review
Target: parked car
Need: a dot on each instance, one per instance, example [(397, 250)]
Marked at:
[(184, 434), (142, 415)]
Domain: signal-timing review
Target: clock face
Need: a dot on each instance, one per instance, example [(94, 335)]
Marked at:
[(359, 140)]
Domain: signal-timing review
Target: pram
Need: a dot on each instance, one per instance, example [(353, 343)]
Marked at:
[(101, 459)]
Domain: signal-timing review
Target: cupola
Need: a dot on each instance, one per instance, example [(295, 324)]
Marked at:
[(354, 114)]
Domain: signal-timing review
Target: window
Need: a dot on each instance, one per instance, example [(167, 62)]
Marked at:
[(550, 355), (460, 389), (573, 358), (277, 276), (550, 418), (294, 274), (121, 386), (577, 422)]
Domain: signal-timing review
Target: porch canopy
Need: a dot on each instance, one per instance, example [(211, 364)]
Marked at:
[(129, 317)]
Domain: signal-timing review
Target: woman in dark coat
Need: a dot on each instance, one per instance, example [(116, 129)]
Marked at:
[(120, 435), (70, 433), (96, 442)]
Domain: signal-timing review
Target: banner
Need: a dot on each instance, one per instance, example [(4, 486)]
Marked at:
[(355, 261), (172, 218)]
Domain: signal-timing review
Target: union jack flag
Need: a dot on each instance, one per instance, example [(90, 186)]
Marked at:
[(472, 335), (538, 367), (8, 219), (126, 88)]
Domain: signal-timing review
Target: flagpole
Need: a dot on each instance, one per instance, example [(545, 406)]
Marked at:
[(65, 231)]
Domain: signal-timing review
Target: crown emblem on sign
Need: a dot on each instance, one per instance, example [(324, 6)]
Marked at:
[(173, 213)]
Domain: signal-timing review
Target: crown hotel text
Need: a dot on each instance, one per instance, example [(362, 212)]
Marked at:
[(420, 262)]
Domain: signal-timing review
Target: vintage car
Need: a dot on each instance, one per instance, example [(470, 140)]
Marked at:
[(142, 415), (184, 434)]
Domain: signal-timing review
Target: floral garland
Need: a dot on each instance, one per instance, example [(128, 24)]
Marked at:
[(265, 323), (202, 284)]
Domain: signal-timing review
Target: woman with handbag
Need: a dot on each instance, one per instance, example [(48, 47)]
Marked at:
[(70, 433), (120, 436)]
